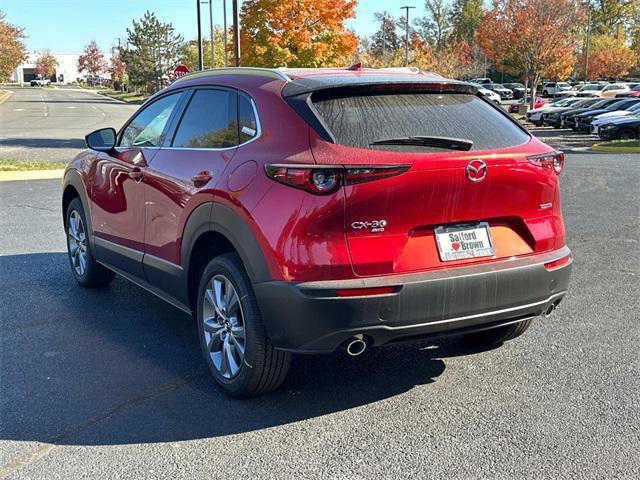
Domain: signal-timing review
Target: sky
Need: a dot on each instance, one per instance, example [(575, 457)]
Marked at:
[(68, 25)]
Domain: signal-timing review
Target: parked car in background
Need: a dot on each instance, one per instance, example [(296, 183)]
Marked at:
[(40, 82), (568, 118), (549, 89), (583, 120), (633, 92), (621, 129), (491, 95), (505, 93), (611, 117), (517, 89), (535, 116), (515, 107), (553, 116), (481, 81), (590, 90), (614, 89)]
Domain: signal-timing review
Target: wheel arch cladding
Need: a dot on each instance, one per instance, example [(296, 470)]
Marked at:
[(73, 187), (214, 229)]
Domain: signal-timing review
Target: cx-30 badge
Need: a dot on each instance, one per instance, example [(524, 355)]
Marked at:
[(374, 226), (476, 170)]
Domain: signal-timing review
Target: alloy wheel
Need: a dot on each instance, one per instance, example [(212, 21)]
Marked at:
[(77, 239), (223, 322)]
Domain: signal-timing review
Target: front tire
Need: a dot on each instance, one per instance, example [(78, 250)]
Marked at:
[(233, 339), (626, 134), (86, 271), (496, 336)]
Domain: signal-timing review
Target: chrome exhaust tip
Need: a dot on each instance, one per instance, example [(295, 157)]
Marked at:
[(549, 310), (356, 346)]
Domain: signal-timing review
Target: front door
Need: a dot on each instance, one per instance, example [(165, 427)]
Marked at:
[(117, 187)]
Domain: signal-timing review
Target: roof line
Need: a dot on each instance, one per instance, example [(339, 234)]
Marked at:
[(236, 70)]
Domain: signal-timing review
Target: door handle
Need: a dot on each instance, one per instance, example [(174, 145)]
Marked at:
[(136, 173), (201, 178)]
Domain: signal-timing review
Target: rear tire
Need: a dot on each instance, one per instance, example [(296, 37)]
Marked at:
[(234, 341), (496, 335), (84, 268)]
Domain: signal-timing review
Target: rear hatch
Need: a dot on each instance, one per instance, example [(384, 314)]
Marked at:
[(391, 223)]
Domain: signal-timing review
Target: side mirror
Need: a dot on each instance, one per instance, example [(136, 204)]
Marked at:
[(103, 140)]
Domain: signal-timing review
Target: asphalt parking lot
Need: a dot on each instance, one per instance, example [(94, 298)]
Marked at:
[(49, 124), (109, 383)]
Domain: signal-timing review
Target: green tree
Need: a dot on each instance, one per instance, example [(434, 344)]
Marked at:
[(12, 48), (436, 26), (466, 17), (189, 54), (154, 51), (385, 42)]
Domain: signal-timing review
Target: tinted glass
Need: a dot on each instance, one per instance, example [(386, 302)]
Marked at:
[(248, 122), (359, 121), (146, 129), (210, 121)]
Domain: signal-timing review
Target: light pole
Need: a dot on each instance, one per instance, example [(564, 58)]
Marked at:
[(224, 31), (586, 56), (213, 58), (236, 32), (200, 65), (406, 37)]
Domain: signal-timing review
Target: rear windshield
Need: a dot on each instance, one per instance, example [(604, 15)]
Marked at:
[(360, 121)]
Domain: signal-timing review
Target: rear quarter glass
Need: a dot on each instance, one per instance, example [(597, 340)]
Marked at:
[(359, 121)]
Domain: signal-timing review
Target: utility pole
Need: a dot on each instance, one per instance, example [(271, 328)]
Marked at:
[(200, 65), (236, 32), (406, 37), (586, 57), (213, 58), (224, 31)]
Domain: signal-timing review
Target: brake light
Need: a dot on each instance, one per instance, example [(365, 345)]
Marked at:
[(324, 180), (561, 262), (552, 160)]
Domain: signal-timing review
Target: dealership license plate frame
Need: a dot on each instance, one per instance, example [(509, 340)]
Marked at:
[(445, 255)]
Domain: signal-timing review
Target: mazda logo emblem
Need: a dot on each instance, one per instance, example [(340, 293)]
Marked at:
[(476, 170)]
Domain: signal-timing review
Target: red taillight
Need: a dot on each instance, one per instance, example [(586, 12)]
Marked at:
[(552, 160), (323, 180), (561, 262), (359, 292)]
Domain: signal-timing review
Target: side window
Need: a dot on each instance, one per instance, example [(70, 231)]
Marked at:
[(147, 127), (210, 121), (248, 122)]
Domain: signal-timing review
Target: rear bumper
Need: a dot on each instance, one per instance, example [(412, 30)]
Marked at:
[(311, 318)]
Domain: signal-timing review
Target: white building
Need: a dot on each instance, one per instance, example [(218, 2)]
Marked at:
[(65, 72)]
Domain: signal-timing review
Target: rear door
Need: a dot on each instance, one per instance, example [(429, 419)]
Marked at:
[(492, 184)]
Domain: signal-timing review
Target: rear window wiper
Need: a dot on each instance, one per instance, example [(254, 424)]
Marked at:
[(419, 140)]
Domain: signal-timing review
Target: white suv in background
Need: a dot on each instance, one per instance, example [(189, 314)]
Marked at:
[(552, 88)]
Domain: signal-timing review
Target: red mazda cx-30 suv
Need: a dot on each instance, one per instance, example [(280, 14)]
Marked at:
[(305, 210)]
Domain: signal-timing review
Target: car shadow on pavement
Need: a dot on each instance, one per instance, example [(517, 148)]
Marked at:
[(117, 365)]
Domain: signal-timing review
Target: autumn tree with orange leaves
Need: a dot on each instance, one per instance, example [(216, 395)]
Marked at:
[(535, 38), (304, 33), (610, 58)]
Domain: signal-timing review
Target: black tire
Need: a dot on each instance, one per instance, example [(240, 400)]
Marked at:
[(496, 335), (93, 275), (262, 368), (627, 134)]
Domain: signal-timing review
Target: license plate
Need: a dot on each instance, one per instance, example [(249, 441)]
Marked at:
[(594, 129), (457, 242)]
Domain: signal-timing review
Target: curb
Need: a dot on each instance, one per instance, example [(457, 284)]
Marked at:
[(31, 175), (5, 95), (612, 149)]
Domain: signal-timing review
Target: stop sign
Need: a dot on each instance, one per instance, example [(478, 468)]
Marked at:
[(180, 71)]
